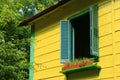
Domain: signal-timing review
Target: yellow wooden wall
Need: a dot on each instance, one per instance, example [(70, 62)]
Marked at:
[(47, 53), (109, 43), (47, 46), (109, 39)]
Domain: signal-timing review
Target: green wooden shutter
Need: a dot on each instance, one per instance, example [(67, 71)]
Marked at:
[(65, 41), (94, 30)]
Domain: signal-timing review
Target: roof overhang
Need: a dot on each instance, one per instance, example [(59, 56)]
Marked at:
[(26, 21)]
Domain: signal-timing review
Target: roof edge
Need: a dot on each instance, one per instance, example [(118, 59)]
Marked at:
[(51, 8)]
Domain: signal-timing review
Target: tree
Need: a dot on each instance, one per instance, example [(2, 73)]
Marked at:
[(14, 44), (14, 41)]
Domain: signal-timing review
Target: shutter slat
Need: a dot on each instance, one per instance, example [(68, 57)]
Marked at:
[(94, 29), (65, 41)]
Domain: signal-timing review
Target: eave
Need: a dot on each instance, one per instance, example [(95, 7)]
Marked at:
[(26, 21)]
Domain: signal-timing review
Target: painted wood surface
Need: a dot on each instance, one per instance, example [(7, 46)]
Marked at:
[(47, 54), (108, 29), (47, 48)]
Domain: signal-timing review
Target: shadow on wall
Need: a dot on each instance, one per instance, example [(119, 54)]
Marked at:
[(83, 75)]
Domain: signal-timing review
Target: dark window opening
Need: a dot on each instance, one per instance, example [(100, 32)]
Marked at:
[(81, 27)]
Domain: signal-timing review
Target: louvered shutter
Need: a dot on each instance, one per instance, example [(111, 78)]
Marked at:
[(94, 30), (65, 41)]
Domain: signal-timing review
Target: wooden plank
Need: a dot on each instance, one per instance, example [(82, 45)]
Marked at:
[(104, 8), (47, 57), (106, 61), (109, 78), (36, 77), (53, 63), (117, 47), (38, 67), (117, 59), (117, 4), (118, 78), (117, 14), (105, 19), (117, 25), (117, 36), (48, 49), (48, 73), (39, 35), (106, 73), (47, 65), (107, 50), (105, 40), (47, 41), (40, 28), (62, 77), (118, 71), (36, 52), (104, 30)]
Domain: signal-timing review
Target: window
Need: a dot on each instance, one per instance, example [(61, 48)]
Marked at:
[(79, 35), (81, 26)]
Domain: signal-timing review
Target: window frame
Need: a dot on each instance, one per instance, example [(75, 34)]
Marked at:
[(73, 38), (92, 22)]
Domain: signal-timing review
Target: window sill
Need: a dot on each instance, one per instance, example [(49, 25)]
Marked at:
[(84, 68), (94, 59)]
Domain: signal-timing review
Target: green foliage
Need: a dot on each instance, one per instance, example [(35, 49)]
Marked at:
[(13, 65), (14, 41)]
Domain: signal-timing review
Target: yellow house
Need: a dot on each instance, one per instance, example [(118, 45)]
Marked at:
[(76, 28)]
